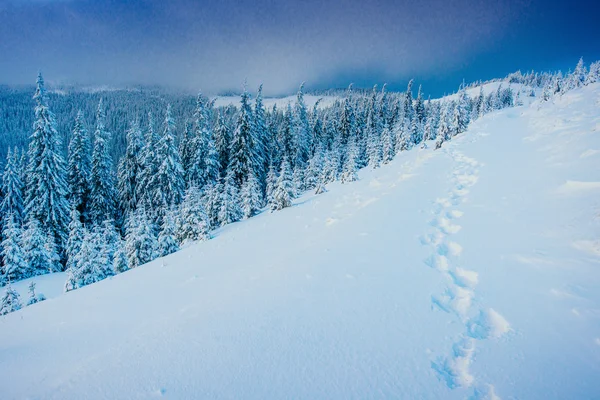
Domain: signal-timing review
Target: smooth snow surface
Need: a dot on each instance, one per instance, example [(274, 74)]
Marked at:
[(468, 272)]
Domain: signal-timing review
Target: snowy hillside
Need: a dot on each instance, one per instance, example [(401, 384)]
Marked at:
[(473, 270)]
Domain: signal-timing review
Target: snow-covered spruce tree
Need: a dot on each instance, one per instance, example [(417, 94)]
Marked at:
[(271, 184), (46, 200), (167, 238), (53, 257), (34, 297), (35, 249), (240, 151), (301, 131), (211, 199), (212, 166), (14, 266), (111, 239), (92, 264), (195, 155), (129, 169), (298, 181), (76, 233), (314, 169), (593, 75), (373, 127), (149, 166), (193, 222), (387, 146), (251, 196), (79, 167), (284, 189), (102, 183), (230, 210), (140, 241), (168, 184), (10, 301), (120, 261), (350, 169), (222, 139), (260, 140), (12, 189)]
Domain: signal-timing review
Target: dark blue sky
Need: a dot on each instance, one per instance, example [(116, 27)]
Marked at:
[(215, 45)]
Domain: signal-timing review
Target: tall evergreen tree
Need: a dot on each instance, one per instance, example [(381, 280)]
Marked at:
[(130, 169), (46, 200), (12, 189), (15, 266), (284, 189), (241, 151), (149, 165), (222, 140), (140, 241), (302, 131), (230, 210), (102, 186), (193, 224), (251, 196), (168, 184), (38, 258), (167, 238), (79, 167)]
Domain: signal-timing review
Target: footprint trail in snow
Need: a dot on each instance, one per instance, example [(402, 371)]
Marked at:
[(460, 291)]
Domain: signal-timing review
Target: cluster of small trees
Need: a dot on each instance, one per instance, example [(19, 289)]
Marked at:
[(94, 217)]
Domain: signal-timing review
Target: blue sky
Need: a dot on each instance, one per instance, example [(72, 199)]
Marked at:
[(215, 45)]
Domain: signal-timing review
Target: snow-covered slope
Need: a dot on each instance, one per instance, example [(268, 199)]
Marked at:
[(473, 270)]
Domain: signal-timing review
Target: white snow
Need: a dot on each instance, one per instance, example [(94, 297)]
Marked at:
[(332, 298)]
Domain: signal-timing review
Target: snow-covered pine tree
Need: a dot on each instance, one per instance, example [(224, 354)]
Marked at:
[(46, 200), (167, 238), (102, 183), (387, 145), (35, 249), (168, 184), (222, 140), (79, 166), (271, 184), (212, 166), (92, 264), (140, 240), (349, 174), (241, 151), (10, 301), (130, 168), (193, 222), (284, 189), (314, 169), (301, 131), (593, 75), (260, 138), (34, 297), (120, 261), (196, 172), (149, 164), (373, 126), (14, 266), (111, 239), (12, 189), (230, 210), (76, 233), (251, 196), (54, 264), (211, 198)]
